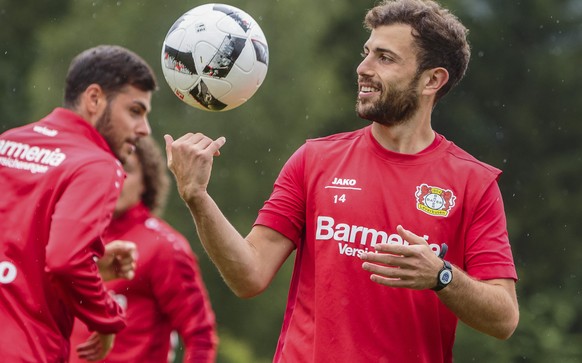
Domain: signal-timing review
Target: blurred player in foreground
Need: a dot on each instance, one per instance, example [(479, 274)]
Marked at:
[(167, 292), (60, 179), (370, 213)]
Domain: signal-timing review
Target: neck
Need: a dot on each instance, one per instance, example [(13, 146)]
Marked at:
[(409, 137)]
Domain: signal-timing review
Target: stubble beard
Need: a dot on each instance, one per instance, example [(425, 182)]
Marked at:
[(394, 107), (105, 127)]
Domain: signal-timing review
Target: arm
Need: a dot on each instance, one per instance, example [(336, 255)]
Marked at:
[(247, 264), (181, 295), (488, 306), (79, 219)]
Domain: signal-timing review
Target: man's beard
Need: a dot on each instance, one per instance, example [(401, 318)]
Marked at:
[(105, 127), (395, 107)]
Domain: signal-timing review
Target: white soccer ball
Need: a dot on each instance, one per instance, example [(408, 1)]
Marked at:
[(215, 57)]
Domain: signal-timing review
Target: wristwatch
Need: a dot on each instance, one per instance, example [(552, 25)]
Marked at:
[(444, 277)]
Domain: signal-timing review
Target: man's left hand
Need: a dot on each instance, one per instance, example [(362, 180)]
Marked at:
[(412, 266)]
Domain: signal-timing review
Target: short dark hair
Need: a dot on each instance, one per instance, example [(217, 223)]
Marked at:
[(111, 67), (441, 38), (155, 176)]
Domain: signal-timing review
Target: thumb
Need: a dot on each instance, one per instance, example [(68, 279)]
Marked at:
[(169, 140)]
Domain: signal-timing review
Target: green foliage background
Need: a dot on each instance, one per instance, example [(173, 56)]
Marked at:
[(518, 108)]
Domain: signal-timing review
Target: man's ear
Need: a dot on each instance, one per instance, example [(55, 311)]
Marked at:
[(92, 103), (435, 79)]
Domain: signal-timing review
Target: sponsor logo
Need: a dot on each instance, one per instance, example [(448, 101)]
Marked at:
[(343, 183), (434, 201), (354, 240), (33, 158), (45, 131)]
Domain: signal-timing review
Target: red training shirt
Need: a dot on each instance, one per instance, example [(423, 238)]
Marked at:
[(337, 197), (60, 182), (166, 294)]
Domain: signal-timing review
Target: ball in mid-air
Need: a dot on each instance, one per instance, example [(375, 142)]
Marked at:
[(215, 57)]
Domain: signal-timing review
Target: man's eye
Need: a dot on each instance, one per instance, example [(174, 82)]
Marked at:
[(363, 55)]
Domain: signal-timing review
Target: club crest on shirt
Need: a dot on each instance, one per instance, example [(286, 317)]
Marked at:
[(434, 200)]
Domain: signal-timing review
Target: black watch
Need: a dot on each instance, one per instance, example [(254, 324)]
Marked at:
[(444, 277)]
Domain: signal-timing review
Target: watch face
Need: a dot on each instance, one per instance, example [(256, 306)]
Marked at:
[(445, 277)]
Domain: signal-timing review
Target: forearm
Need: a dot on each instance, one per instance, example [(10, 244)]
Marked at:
[(200, 349), (246, 264), (235, 257), (487, 306)]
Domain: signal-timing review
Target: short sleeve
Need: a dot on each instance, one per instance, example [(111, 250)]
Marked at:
[(284, 211), (488, 251)]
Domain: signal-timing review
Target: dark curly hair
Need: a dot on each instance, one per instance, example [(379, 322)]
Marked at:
[(155, 175), (441, 39)]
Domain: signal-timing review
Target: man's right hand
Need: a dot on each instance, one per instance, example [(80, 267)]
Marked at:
[(190, 159)]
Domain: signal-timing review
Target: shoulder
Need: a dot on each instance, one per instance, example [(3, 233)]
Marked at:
[(331, 145), (336, 138), (469, 162), (167, 238)]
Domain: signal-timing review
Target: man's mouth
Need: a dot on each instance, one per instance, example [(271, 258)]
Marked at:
[(368, 89)]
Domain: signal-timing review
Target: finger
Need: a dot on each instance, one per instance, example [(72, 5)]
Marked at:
[(385, 272), (391, 259), (120, 247), (169, 140), (125, 261), (89, 350), (126, 255), (217, 144), (389, 281), (124, 268), (128, 275), (94, 357), (410, 237), (390, 249)]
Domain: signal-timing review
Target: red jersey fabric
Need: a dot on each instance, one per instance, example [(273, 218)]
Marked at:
[(338, 196), (166, 294), (60, 182)]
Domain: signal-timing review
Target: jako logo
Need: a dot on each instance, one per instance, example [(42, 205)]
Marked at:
[(344, 182)]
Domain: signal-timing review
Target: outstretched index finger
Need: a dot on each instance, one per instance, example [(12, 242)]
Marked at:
[(217, 144), (410, 237)]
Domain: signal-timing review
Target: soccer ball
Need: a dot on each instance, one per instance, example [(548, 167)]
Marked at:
[(215, 57)]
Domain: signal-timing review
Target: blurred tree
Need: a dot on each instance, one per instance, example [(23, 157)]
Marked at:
[(19, 24), (518, 109)]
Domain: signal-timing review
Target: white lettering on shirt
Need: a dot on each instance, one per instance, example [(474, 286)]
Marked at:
[(360, 236), (33, 158)]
